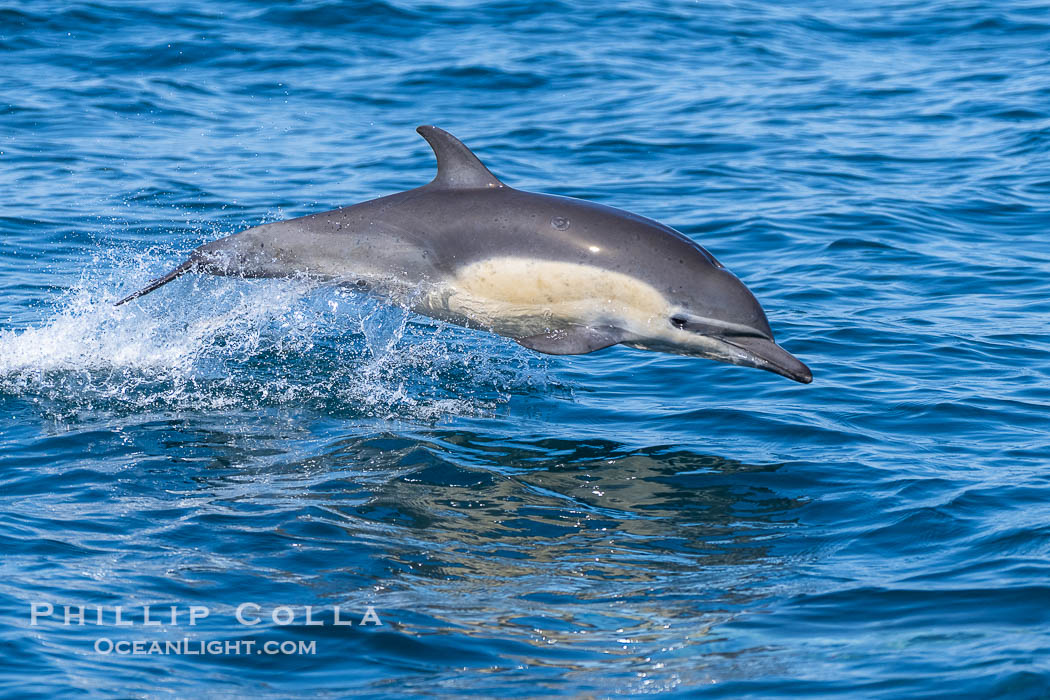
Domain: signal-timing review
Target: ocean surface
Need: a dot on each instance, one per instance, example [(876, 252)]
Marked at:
[(622, 523)]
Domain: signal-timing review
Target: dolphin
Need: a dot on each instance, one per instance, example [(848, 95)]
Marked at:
[(558, 275)]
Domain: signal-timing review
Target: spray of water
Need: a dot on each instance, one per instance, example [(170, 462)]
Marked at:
[(227, 344)]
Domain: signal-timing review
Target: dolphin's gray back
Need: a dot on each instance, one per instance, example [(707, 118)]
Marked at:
[(433, 231)]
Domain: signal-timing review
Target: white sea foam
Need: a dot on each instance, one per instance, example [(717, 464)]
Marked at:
[(209, 343)]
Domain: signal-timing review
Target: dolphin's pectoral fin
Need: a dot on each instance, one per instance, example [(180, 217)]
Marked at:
[(578, 340)]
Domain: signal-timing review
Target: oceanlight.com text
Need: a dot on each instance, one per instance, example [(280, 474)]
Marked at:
[(200, 647)]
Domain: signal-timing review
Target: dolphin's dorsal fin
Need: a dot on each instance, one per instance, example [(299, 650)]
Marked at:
[(458, 168)]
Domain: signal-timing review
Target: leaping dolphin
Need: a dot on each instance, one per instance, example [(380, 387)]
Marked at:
[(561, 276)]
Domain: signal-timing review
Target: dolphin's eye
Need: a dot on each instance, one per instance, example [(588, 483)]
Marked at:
[(679, 321)]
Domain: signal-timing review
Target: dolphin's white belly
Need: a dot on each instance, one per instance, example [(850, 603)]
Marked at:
[(519, 297)]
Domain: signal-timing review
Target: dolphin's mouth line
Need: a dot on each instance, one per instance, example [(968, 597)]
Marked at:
[(765, 354), (712, 327)]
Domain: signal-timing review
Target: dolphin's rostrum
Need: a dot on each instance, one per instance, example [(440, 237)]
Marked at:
[(558, 275)]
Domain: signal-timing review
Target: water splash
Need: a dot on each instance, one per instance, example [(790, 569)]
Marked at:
[(249, 344)]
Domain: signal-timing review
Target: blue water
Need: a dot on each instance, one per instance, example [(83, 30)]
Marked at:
[(617, 523)]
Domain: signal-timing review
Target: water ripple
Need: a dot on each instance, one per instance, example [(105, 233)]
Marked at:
[(619, 523)]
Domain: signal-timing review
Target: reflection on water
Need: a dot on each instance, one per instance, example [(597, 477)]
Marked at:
[(546, 553), (478, 551)]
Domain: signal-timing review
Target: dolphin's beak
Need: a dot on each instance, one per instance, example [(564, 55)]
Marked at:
[(765, 354)]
